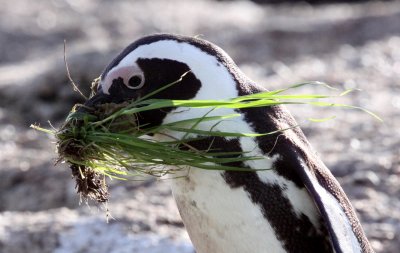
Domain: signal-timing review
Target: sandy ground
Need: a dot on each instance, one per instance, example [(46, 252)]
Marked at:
[(348, 46)]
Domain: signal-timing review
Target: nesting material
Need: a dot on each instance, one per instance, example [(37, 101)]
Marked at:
[(106, 141), (72, 147)]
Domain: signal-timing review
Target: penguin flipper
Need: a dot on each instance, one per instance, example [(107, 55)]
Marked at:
[(340, 219)]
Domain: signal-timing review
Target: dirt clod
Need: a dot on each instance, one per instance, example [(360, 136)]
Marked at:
[(90, 184)]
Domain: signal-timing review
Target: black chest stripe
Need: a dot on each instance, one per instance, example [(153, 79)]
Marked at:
[(297, 234)]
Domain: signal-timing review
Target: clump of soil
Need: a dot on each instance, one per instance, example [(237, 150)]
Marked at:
[(73, 147), (89, 184)]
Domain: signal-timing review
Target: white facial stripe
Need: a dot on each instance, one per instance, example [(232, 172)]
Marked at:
[(220, 84), (114, 74), (124, 71)]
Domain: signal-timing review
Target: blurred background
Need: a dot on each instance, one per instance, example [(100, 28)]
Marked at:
[(348, 44)]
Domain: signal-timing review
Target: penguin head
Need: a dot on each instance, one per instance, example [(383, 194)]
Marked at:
[(152, 62)]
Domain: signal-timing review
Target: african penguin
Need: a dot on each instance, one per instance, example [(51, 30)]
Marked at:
[(296, 206)]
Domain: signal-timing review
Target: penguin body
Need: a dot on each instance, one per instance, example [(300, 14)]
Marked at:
[(296, 205)]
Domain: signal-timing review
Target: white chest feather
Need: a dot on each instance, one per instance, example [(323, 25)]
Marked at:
[(221, 219)]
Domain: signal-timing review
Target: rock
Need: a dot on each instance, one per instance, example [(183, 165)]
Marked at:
[(368, 178)]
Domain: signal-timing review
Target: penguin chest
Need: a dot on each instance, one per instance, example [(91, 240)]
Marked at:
[(221, 218)]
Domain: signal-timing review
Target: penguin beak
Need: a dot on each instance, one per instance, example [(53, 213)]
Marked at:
[(91, 103)]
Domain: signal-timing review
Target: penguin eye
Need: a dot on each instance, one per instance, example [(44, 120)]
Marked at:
[(135, 82)]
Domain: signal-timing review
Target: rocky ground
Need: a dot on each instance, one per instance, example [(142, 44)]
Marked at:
[(346, 45)]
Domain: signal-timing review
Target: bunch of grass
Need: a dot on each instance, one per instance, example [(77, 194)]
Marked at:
[(109, 142)]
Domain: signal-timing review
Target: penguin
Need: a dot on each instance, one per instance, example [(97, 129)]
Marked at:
[(295, 205)]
